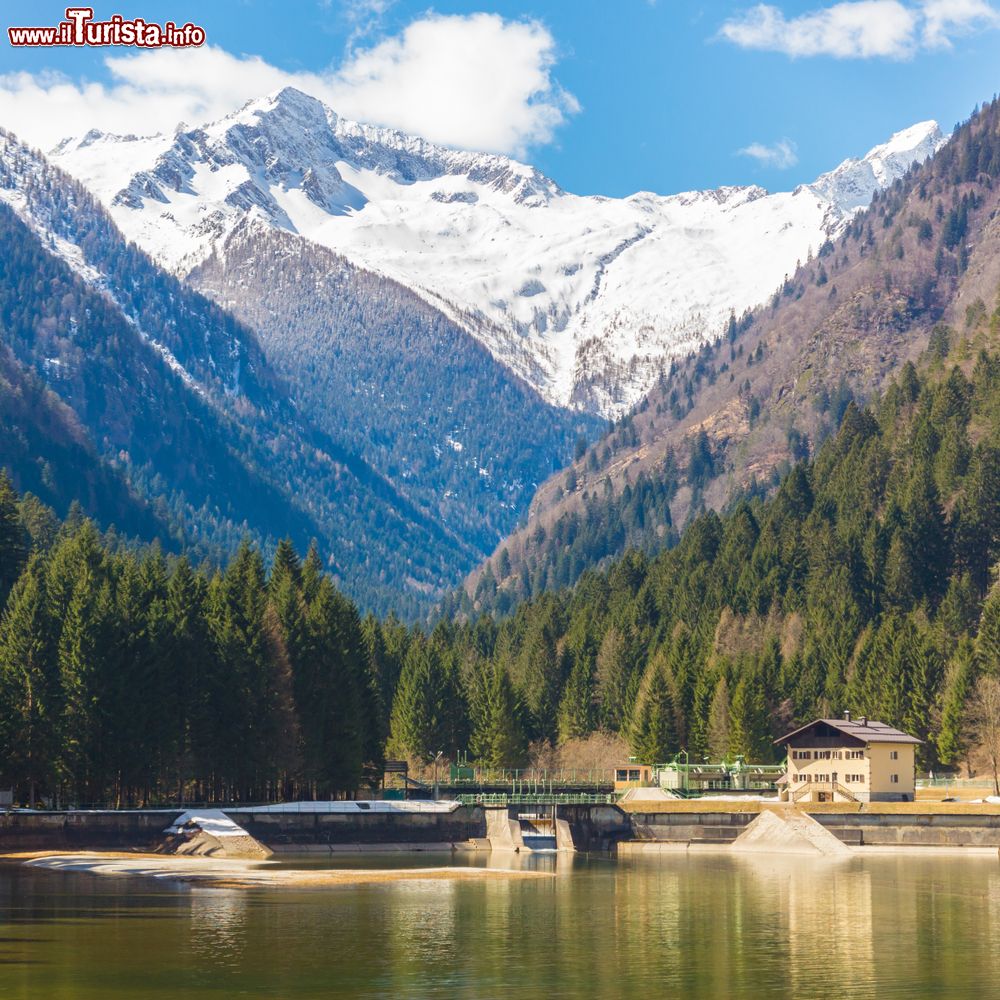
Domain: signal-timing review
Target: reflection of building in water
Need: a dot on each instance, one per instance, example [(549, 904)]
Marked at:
[(830, 924)]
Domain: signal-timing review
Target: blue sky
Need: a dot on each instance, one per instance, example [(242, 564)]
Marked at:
[(605, 97)]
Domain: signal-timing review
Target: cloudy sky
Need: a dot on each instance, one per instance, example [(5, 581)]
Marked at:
[(606, 97)]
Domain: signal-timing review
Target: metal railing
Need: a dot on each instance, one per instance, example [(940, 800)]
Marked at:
[(956, 783), (539, 799), (531, 775)]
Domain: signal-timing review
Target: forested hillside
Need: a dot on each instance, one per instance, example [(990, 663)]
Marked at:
[(732, 418), (860, 585), (868, 582), (55, 459), (404, 387)]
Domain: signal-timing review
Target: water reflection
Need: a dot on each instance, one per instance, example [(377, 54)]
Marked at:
[(218, 925), (708, 926)]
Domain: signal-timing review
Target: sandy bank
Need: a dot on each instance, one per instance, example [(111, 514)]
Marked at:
[(244, 874)]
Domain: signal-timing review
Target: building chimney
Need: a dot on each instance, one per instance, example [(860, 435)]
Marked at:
[(864, 720), (847, 716)]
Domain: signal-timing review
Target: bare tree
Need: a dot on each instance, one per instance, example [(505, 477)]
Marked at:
[(984, 720)]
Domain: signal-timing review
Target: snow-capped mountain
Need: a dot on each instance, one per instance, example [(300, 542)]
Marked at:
[(586, 298)]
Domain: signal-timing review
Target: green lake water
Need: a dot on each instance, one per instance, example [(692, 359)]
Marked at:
[(700, 926)]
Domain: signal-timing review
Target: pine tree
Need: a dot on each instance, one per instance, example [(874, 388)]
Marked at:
[(576, 710), (959, 608), (415, 723), (614, 674), (988, 640), (188, 677), (338, 645), (312, 572), (952, 732), (538, 670), (30, 701), (237, 609), (750, 731), (717, 737), (497, 736), (81, 646), (652, 736), (704, 689), (13, 540)]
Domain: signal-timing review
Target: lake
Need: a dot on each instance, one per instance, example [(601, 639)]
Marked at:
[(691, 926)]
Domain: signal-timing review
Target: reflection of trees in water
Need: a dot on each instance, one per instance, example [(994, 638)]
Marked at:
[(738, 927), (219, 925), (992, 887)]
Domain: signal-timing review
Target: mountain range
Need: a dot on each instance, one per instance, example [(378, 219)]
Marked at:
[(585, 298), (287, 324)]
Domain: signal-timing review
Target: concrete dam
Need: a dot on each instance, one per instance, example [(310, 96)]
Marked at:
[(332, 827)]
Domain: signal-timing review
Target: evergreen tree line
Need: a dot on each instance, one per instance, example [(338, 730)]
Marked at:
[(129, 679)]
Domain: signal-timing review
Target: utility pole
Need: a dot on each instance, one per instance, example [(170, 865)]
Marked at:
[(437, 757)]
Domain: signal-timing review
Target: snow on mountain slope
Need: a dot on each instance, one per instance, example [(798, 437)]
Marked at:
[(586, 298)]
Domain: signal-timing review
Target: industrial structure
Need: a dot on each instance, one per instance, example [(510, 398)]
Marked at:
[(687, 779)]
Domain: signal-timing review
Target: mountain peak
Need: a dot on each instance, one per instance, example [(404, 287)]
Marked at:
[(853, 183), (290, 101)]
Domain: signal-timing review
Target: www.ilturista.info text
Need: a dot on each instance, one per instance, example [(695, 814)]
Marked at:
[(80, 28)]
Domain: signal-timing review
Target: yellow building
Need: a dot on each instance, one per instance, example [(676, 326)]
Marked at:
[(842, 760)]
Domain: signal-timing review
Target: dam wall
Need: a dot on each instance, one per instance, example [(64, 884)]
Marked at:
[(372, 828), (107, 830), (859, 825)]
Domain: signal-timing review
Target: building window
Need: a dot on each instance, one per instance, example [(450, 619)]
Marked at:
[(802, 754), (894, 755), (894, 778), (855, 755)]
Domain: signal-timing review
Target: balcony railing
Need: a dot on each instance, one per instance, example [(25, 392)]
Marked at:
[(833, 787)]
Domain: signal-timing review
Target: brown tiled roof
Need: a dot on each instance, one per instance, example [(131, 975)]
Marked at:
[(867, 730)]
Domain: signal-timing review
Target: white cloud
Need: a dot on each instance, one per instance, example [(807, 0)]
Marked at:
[(364, 16), (945, 18), (480, 78), (780, 156), (477, 82), (860, 29)]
